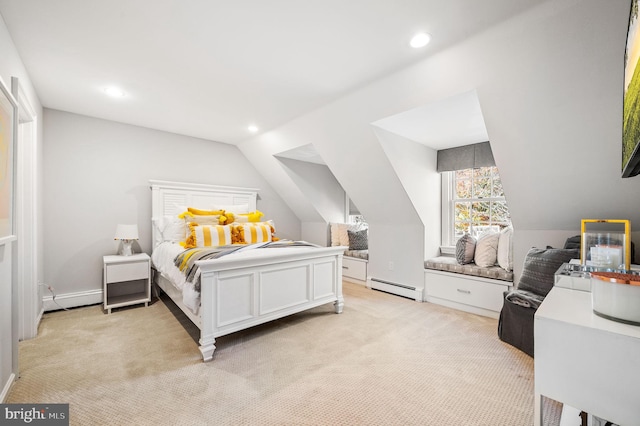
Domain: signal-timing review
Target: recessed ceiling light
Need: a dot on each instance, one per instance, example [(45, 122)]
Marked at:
[(420, 40), (253, 128), (114, 92)]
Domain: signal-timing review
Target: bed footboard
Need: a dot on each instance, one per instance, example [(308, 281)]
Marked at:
[(238, 292)]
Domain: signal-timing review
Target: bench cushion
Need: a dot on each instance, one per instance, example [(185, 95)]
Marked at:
[(449, 264), (360, 254)]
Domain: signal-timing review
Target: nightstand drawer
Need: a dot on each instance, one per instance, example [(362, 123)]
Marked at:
[(127, 271)]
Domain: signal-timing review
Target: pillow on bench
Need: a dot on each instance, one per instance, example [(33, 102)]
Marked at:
[(486, 254), (465, 249), (540, 266), (358, 240), (488, 249)]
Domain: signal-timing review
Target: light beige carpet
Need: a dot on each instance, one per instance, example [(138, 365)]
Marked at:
[(385, 360)]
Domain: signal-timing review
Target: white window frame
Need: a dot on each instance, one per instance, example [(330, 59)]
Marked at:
[(447, 214), (448, 199), (352, 219)]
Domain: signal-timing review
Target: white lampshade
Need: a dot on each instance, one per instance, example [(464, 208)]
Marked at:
[(126, 232)]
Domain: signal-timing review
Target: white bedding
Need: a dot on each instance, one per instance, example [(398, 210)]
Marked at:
[(162, 258)]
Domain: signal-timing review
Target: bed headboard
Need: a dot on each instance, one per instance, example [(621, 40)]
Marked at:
[(167, 196)]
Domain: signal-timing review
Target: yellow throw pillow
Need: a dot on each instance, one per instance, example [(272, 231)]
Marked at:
[(204, 212), (208, 235), (249, 217), (271, 225), (237, 234), (251, 233), (229, 218), (214, 219)]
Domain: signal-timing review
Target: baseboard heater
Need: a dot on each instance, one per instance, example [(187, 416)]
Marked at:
[(394, 288)]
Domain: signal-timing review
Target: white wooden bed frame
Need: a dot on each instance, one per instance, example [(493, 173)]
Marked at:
[(244, 291)]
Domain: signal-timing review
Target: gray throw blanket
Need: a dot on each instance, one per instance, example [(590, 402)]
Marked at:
[(186, 261), (525, 298)]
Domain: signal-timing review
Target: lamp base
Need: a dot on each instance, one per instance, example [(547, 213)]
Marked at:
[(127, 250)]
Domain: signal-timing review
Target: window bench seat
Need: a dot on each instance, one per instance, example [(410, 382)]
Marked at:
[(354, 266), (468, 287)]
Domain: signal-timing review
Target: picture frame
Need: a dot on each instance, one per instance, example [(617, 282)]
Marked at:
[(606, 243), (8, 125)]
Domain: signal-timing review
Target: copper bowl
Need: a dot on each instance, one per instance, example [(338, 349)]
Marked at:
[(617, 277)]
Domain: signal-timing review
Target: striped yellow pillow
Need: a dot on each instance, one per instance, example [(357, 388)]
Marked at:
[(208, 235), (253, 233)]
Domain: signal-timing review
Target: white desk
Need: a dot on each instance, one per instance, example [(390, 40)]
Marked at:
[(586, 361)]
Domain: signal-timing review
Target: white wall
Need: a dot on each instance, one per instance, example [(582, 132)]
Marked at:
[(11, 66), (415, 165), (550, 86), (263, 157), (342, 136), (97, 175), (6, 312), (323, 192), (556, 129)]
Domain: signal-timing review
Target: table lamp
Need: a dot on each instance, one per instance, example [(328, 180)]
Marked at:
[(126, 233)]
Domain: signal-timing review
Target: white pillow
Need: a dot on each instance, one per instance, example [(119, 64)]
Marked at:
[(487, 249), (335, 234), (339, 235), (178, 209), (505, 249), (233, 208), (169, 228)]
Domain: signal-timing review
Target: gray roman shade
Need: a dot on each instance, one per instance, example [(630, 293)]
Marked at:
[(465, 157)]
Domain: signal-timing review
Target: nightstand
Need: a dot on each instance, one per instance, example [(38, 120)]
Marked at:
[(127, 280)]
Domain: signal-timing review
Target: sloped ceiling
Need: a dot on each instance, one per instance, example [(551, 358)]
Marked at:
[(454, 121), (555, 132), (306, 153), (209, 68)]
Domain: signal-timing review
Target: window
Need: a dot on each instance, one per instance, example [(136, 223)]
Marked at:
[(354, 216), (356, 220), (473, 201)]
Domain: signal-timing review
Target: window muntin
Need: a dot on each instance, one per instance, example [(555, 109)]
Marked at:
[(356, 220), (477, 202)]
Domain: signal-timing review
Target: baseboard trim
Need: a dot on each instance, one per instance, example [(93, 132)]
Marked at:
[(7, 388), (415, 293), (39, 318), (72, 300)]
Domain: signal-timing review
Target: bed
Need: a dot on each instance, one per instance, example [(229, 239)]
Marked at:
[(248, 287)]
